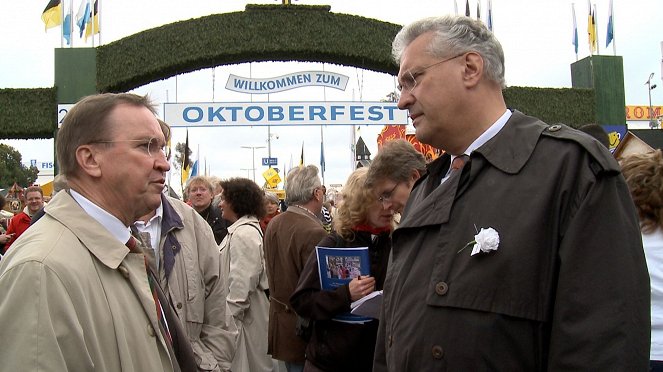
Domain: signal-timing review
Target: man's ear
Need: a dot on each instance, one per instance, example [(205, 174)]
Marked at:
[(473, 70), (88, 160), (415, 175)]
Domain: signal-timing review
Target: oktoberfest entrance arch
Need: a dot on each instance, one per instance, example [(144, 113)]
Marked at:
[(260, 33)]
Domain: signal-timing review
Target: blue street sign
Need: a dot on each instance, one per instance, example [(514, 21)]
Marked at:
[(269, 161)]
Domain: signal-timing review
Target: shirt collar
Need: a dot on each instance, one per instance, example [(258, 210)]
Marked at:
[(486, 135), (156, 219), (110, 222)]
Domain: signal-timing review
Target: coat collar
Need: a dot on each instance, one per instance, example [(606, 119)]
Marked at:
[(303, 212), (509, 150), (244, 220), (170, 222), (94, 236), (171, 219)]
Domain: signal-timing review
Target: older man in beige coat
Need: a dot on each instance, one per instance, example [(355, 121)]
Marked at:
[(186, 259), (74, 297)]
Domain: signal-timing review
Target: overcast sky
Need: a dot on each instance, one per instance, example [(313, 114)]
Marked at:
[(535, 34)]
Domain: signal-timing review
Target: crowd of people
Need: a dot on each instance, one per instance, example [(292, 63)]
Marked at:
[(114, 275)]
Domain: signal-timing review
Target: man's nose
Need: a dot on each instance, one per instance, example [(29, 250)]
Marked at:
[(405, 100), (162, 164)]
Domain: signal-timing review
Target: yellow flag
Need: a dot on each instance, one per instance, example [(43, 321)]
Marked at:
[(52, 14), (591, 30)]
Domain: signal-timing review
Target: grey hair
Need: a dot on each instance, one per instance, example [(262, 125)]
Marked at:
[(301, 182), (395, 161), (455, 35)]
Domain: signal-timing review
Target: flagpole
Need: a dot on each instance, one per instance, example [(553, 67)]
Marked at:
[(99, 18), (92, 25), (589, 24), (71, 24), (62, 25), (614, 40), (596, 29), (322, 136)]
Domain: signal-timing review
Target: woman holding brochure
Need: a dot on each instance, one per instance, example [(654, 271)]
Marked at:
[(339, 344)]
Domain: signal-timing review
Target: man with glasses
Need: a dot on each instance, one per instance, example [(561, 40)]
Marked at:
[(76, 295), (519, 250)]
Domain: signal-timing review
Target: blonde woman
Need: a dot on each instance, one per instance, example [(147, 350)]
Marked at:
[(361, 221)]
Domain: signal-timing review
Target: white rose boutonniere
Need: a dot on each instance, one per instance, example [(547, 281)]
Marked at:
[(485, 241)]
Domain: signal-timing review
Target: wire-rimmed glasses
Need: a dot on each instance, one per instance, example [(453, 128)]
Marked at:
[(152, 146), (408, 81), (386, 196)]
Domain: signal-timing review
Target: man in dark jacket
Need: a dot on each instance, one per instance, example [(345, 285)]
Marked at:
[(200, 194), (289, 240), (528, 257)]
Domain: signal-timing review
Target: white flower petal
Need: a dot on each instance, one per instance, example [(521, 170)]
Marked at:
[(476, 249)]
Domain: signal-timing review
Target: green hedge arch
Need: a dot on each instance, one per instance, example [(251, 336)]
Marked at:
[(260, 33)]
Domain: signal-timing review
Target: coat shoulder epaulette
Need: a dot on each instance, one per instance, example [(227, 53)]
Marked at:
[(603, 161)]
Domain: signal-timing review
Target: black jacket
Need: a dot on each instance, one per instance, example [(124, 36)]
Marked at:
[(336, 346), (219, 225)]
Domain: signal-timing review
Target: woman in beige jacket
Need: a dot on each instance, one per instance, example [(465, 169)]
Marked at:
[(242, 203)]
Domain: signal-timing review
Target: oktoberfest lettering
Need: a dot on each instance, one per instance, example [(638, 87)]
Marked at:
[(284, 113)]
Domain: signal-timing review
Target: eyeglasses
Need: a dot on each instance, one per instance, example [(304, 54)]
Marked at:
[(200, 189), (387, 195), (409, 79), (152, 146)]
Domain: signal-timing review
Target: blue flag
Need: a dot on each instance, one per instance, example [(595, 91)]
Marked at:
[(194, 169), (574, 37), (83, 16), (611, 30), (66, 28)]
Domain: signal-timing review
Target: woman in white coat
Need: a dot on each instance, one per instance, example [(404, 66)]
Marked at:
[(242, 203)]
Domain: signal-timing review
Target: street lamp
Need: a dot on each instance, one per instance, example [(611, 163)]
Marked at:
[(652, 122), (253, 157), (269, 142)]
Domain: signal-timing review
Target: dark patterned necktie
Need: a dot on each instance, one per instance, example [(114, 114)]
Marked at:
[(132, 244)]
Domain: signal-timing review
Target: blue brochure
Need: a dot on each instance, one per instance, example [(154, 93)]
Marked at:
[(337, 267)]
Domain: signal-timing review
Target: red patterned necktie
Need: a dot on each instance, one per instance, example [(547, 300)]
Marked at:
[(132, 244), (458, 162)]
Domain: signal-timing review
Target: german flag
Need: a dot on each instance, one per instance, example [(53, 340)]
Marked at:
[(52, 15), (186, 162)]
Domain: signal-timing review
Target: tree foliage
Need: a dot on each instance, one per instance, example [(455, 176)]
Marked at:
[(12, 170), (179, 154)]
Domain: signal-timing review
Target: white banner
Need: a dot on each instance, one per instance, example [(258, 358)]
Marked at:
[(282, 113), (63, 109), (286, 82)]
